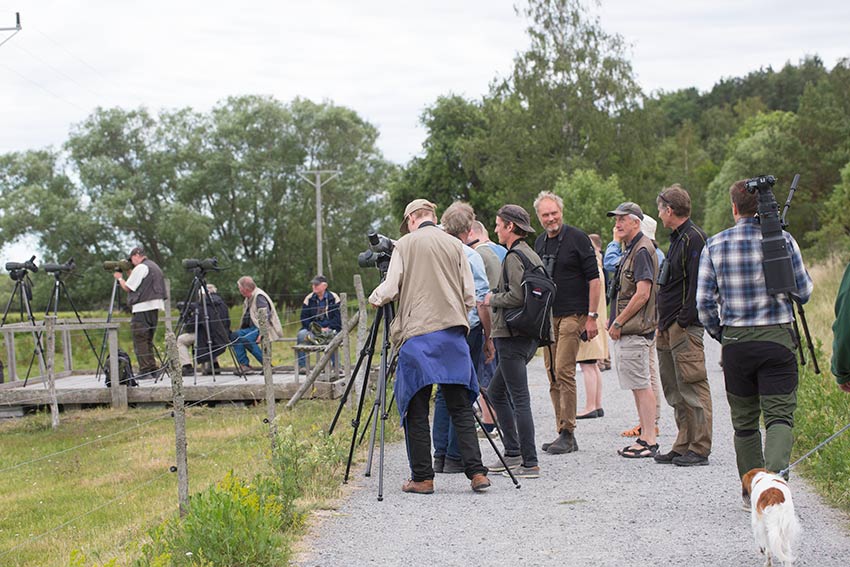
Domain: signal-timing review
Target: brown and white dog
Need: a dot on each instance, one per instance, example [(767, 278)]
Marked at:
[(775, 525)]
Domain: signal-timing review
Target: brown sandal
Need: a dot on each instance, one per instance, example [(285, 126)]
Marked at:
[(635, 431)]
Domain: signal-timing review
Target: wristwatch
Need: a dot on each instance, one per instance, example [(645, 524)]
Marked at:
[(617, 325), (593, 315)]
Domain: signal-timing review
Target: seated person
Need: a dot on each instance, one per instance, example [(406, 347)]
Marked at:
[(219, 321), (248, 335), (320, 318)]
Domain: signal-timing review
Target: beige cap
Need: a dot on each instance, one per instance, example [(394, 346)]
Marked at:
[(647, 226), (414, 206)]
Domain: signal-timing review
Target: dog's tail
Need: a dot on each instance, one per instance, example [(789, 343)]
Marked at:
[(783, 531)]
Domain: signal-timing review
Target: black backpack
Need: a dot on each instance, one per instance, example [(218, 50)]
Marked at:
[(125, 370), (534, 317)]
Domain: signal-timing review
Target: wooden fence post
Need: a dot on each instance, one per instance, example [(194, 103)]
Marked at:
[(50, 330), (119, 390), (263, 320), (182, 464), (168, 325)]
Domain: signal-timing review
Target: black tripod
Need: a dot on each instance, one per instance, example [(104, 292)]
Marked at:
[(380, 407), (23, 289), (59, 288), (102, 357), (200, 290)]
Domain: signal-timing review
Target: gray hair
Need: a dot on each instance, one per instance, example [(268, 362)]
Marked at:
[(246, 282), (549, 195), (458, 218)]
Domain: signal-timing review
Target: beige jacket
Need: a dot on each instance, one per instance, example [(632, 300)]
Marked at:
[(250, 304), (430, 277)]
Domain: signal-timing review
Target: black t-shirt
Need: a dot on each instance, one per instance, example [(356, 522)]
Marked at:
[(575, 266)]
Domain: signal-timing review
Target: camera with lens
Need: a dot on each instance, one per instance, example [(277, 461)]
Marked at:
[(65, 268), (28, 266), (760, 183), (117, 265), (378, 254), (206, 265)]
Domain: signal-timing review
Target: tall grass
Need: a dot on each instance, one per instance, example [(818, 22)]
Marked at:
[(823, 408)]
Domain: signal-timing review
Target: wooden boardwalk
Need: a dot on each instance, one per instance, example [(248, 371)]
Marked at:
[(84, 389)]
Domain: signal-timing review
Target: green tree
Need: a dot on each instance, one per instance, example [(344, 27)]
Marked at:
[(765, 144), (587, 198)]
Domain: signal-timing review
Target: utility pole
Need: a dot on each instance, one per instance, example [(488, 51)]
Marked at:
[(15, 29), (317, 184)]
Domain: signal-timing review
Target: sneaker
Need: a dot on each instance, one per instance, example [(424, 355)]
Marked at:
[(524, 472), (246, 369), (690, 459), (187, 370), (421, 487), (666, 458), (513, 462), (453, 466), (439, 463), (480, 482)]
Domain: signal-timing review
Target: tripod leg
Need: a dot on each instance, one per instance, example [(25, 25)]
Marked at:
[(102, 358), (64, 288), (805, 325), (492, 411), (366, 353), (498, 453)]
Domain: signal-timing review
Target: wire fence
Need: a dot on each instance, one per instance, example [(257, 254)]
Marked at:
[(84, 509)]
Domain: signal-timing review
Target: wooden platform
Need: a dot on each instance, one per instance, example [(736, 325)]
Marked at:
[(83, 389)]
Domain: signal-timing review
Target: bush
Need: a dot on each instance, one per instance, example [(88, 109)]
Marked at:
[(234, 523)]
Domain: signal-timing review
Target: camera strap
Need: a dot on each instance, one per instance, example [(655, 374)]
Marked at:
[(557, 248)]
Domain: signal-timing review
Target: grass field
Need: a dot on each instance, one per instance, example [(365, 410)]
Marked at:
[(823, 408), (105, 481)]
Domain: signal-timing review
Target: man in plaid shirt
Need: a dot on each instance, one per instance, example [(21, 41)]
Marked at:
[(756, 331)]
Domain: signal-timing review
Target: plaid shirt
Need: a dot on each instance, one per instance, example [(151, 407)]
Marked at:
[(731, 290)]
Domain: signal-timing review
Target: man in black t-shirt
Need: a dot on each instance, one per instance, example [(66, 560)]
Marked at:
[(570, 260)]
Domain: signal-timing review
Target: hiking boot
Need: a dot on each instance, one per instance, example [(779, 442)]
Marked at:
[(246, 369), (480, 482), (523, 471), (420, 487), (439, 463), (513, 462), (453, 466), (690, 459), (666, 458), (187, 370), (565, 443)]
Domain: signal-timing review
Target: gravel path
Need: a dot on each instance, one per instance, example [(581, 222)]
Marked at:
[(591, 507)]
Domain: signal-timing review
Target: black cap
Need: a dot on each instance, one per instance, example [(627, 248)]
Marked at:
[(516, 215), (627, 208), (136, 250)]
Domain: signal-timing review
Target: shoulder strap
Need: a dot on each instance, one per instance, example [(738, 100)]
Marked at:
[(526, 264)]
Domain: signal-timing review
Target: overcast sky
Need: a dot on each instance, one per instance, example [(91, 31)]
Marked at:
[(385, 59)]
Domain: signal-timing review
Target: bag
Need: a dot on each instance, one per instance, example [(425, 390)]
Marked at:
[(534, 317), (125, 370)]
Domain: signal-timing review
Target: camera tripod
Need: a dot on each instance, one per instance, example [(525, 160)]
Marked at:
[(60, 287), (23, 289), (200, 290), (101, 367), (380, 406)]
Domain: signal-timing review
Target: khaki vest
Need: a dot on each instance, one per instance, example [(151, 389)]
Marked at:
[(645, 320), (250, 304)]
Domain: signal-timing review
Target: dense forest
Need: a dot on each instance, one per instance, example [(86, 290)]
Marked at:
[(569, 117)]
